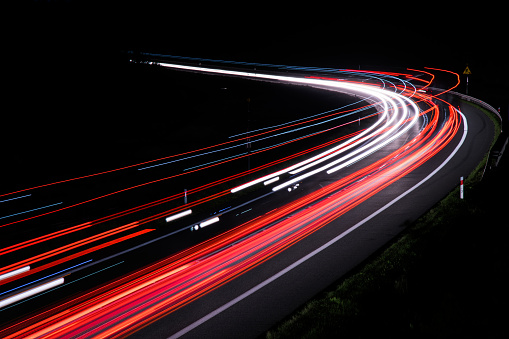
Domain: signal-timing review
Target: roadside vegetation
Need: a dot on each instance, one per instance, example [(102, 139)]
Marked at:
[(442, 277)]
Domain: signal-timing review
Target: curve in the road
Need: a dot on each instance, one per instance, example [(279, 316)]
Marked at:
[(138, 299)]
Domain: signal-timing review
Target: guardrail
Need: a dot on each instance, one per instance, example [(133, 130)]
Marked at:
[(480, 103), (475, 101)]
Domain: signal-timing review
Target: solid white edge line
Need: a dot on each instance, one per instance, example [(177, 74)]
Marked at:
[(15, 272), (321, 248), (178, 215), (31, 292)]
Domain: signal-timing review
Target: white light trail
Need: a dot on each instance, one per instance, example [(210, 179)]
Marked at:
[(383, 140), (15, 272), (344, 147), (209, 222), (178, 215), (268, 182), (387, 98), (31, 292), (369, 148)]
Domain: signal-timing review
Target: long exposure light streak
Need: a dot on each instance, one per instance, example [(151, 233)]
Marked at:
[(62, 249), (32, 291), (14, 272), (16, 198), (190, 277), (187, 171), (376, 144), (31, 210), (122, 306), (177, 155), (178, 215), (65, 270)]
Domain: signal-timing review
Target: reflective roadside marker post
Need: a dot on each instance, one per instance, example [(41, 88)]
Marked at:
[(461, 188), (185, 196), (501, 117)]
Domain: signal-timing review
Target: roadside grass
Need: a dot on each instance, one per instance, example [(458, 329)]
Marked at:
[(416, 286)]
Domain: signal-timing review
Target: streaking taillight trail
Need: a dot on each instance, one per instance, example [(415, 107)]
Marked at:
[(188, 275), (123, 306)]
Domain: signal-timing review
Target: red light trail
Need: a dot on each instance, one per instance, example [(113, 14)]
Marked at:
[(135, 300)]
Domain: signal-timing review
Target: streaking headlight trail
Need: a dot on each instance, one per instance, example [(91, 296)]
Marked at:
[(396, 103)]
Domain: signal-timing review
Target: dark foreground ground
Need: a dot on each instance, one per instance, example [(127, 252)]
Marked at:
[(458, 285)]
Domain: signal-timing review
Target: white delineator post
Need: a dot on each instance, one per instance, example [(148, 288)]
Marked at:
[(461, 188)]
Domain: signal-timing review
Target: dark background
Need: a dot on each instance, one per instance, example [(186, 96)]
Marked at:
[(71, 42)]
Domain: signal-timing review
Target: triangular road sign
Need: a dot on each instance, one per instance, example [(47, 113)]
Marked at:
[(467, 71)]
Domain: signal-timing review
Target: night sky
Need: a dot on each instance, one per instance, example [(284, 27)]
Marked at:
[(56, 34)]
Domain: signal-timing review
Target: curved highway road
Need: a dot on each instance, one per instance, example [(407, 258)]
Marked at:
[(291, 231)]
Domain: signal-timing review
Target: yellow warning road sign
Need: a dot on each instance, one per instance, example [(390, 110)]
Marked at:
[(467, 71)]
